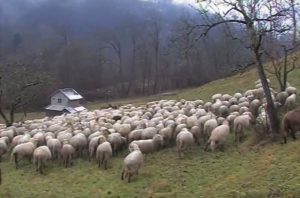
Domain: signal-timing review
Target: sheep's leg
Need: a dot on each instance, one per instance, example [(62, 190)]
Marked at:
[(129, 177), (36, 165), (122, 174), (206, 146), (66, 162), (16, 160), (105, 164), (29, 159), (99, 163), (293, 134)]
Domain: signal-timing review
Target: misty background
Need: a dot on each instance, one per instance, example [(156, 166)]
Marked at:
[(115, 48)]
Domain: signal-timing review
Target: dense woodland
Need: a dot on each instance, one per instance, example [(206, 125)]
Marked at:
[(114, 48)]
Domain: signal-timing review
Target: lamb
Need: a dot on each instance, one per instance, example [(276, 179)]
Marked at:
[(197, 134), (40, 156), (117, 142), (103, 152), (218, 137), (291, 124), (23, 150), (150, 145), (132, 162), (67, 152), (184, 139), (55, 146), (290, 102)]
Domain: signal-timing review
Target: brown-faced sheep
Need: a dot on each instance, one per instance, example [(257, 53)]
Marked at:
[(291, 124)]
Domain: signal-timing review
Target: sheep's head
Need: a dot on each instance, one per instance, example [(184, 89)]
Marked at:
[(158, 140), (101, 139)]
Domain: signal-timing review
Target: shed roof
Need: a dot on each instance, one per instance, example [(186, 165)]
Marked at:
[(62, 108), (70, 93)]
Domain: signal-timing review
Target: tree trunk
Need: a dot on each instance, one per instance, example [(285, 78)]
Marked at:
[(271, 111)]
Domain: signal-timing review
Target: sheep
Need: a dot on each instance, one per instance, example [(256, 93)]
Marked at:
[(239, 124), (40, 156), (290, 102), (132, 162), (55, 146), (208, 127), (148, 133), (135, 135), (167, 133), (93, 144), (291, 90), (184, 139), (291, 124), (281, 97), (215, 97), (67, 152), (197, 134), (218, 137), (79, 142), (9, 132), (103, 152), (117, 142), (150, 145), (23, 150)]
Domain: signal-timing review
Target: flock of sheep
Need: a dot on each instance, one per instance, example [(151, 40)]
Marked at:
[(101, 134)]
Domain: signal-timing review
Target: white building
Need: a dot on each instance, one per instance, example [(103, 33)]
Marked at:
[(64, 101)]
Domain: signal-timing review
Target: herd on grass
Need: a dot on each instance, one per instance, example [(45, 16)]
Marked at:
[(101, 134)]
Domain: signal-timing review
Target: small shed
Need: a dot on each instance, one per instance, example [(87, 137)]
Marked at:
[(65, 100)]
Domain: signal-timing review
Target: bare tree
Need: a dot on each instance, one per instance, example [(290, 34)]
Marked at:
[(251, 15), (18, 87), (285, 48)]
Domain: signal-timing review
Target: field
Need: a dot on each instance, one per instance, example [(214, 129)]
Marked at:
[(271, 171)]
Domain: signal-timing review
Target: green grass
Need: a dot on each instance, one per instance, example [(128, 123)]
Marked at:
[(272, 171)]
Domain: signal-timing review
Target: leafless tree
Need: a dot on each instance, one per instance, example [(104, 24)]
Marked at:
[(251, 15), (17, 89)]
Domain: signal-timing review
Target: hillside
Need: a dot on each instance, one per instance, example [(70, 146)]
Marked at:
[(272, 171)]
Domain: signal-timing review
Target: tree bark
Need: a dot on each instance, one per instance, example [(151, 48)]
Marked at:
[(271, 111)]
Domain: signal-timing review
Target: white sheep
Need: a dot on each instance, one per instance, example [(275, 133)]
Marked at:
[(218, 137), (40, 156), (55, 146), (117, 142), (240, 123), (150, 145), (23, 150), (208, 127), (103, 152), (67, 152), (184, 139), (132, 162), (290, 102)]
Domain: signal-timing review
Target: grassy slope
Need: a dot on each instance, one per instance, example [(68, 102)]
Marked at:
[(273, 170)]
